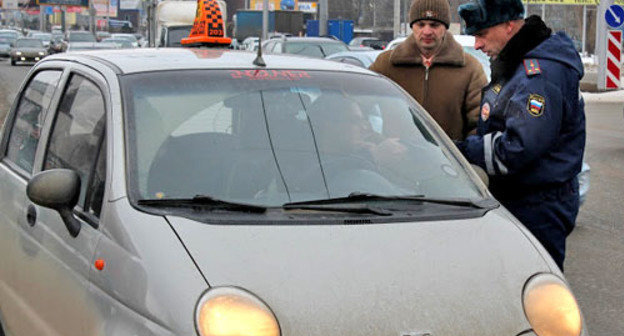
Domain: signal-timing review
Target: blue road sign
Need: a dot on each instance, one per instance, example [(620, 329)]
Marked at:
[(614, 16)]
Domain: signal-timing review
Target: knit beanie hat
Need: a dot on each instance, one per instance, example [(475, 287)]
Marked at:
[(482, 14), (437, 10)]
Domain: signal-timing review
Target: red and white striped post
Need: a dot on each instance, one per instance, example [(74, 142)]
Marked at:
[(614, 59)]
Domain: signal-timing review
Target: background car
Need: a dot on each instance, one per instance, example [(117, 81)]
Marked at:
[(100, 35), (128, 37), (6, 43), (77, 36), (394, 43), (144, 199), (360, 58), (45, 38), (120, 42), (372, 42), (79, 46), (27, 50), (250, 43), (318, 47), (14, 34)]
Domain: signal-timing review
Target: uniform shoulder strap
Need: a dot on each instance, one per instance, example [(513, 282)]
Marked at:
[(532, 67)]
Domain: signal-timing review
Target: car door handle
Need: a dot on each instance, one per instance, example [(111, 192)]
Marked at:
[(31, 215)]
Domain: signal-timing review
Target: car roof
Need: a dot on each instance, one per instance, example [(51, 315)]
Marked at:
[(307, 39), (127, 61), (465, 40), (368, 53)]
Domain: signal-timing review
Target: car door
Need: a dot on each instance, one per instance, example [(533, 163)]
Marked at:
[(53, 281), (18, 145)]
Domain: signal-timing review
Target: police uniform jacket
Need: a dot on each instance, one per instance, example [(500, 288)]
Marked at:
[(450, 89), (531, 132)]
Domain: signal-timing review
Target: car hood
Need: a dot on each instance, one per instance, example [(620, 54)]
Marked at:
[(446, 277)]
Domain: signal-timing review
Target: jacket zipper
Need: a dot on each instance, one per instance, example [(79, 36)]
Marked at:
[(426, 85)]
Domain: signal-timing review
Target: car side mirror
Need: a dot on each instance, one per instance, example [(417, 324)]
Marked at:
[(57, 189), (482, 174)]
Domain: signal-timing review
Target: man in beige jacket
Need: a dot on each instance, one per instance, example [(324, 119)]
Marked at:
[(432, 67)]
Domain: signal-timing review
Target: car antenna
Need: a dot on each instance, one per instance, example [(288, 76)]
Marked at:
[(259, 61)]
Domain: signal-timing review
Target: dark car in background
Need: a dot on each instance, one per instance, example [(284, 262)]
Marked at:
[(318, 47), (28, 50)]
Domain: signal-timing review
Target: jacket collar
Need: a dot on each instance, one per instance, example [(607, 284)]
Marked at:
[(407, 53), (532, 34)]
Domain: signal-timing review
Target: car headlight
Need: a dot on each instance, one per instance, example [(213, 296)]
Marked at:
[(551, 307), (41, 53), (224, 311), (18, 53)]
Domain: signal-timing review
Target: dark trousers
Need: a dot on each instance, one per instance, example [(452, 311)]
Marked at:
[(550, 215)]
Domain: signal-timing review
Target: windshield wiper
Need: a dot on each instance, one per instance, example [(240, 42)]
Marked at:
[(356, 197), (334, 208), (203, 201)]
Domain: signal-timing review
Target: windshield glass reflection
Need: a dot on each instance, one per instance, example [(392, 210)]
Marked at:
[(273, 137)]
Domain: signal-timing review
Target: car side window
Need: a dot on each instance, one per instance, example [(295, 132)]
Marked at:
[(95, 194), (77, 134), (29, 118)]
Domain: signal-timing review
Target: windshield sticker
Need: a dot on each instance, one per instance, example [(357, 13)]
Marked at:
[(269, 74)]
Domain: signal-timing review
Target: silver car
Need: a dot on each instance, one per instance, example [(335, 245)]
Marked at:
[(192, 192)]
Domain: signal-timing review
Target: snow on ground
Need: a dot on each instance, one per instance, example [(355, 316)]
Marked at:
[(604, 97)]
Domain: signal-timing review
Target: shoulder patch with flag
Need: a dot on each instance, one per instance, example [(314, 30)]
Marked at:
[(536, 105), (532, 67)]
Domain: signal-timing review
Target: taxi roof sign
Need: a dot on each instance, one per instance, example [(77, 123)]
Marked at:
[(208, 29)]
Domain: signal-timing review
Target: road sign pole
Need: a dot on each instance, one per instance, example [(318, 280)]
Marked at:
[(601, 42), (614, 59)]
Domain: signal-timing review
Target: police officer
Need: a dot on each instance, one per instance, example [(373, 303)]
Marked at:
[(531, 131)]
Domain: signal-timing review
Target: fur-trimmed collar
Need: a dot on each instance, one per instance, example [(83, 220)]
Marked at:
[(532, 34), (407, 53)]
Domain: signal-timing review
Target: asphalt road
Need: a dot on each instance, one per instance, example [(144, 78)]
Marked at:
[(595, 262)]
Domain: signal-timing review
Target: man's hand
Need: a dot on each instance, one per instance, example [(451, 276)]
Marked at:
[(388, 151)]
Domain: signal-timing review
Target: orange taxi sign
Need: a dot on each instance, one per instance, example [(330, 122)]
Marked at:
[(208, 27)]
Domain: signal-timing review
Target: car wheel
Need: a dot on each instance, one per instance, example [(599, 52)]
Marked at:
[(12, 63)]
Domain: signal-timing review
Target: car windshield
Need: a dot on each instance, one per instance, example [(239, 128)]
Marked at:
[(176, 34), (272, 137), (314, 49), (28, 43), (81, 37)]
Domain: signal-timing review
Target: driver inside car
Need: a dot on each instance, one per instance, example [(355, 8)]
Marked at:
[(348, 135)]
